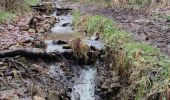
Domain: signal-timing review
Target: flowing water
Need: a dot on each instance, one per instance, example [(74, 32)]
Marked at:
[(85, 86)]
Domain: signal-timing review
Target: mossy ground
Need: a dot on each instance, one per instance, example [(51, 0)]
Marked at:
[(135, 60)]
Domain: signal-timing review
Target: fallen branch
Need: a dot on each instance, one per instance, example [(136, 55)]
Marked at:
[(31, 53), (38, 53), (42, 8)]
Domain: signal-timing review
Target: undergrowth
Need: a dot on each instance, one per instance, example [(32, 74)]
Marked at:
[(146, 69), (5, 15), (11, 8)]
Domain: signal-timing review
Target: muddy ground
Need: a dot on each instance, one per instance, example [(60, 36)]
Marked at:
[(147, 25)]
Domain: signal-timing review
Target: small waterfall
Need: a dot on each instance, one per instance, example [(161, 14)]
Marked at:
[(85, 86)]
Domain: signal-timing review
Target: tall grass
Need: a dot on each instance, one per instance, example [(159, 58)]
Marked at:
[(146, 69)]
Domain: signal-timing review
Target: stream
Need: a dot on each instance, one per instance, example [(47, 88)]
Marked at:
[(64, 64), (84, 85)]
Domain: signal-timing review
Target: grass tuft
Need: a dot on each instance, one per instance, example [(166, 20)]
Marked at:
[(5, 15)]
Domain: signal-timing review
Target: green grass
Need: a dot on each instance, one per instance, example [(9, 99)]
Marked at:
[(5, 15), (9, 15), (32, 2), (133, 59)]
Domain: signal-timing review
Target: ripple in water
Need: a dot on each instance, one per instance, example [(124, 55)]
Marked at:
[(85, 86)]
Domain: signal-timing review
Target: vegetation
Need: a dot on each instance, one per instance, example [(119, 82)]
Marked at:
[(79, 49), (146, 69), (5, 15), (8, 8)]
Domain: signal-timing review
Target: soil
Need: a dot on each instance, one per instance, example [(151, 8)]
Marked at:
[(150, 26)]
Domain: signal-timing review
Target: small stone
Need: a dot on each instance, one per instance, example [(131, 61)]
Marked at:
[(65, 24), (1, 63), (115, 79), (38, 98), (46, 27), (53, 95), (115, 85), (41, 30), (31, 31), (105, 85), (36, 68), (99, 90)]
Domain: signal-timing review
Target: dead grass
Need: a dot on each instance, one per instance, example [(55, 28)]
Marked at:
[(79, 49)]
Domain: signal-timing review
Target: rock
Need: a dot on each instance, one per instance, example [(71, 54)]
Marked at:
[(53, 95), (65, 24), (96, 36), (31, 31), (105, 85), (36, 68), (115, 85), (46, 27), (10, 27), (37, 91), (14, 47), (41, 30), (1, 63), (38, 98)]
